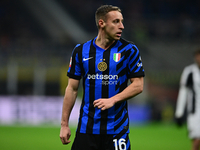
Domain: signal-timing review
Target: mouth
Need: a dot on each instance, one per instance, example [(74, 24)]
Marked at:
[(119, 34)]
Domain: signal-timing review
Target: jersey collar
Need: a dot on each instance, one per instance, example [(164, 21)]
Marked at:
[(96, 46)]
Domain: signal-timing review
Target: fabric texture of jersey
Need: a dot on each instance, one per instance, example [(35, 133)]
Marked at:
[(189, 99), (104, 74)]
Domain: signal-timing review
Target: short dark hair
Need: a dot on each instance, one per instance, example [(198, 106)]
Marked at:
[(103, 10)]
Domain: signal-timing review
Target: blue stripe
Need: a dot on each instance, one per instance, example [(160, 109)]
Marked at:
[(111, 121), (122, 126), (128, 144), (77, 66), (97, 115), (84, 119), (133, 59), (135, 65), (96, 127)]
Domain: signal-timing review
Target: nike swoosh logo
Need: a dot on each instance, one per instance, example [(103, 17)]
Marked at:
[(85, 59)]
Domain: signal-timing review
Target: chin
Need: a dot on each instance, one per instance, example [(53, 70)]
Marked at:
[(117, 38)]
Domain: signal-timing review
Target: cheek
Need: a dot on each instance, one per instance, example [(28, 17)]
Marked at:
[(111, 30)]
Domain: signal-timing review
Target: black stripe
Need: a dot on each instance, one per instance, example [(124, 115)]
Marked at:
[(120, 113), (77, 50), (121, 47), (190, 84), (193, 102), (125, 42), (120, 64), (119, 135), (121, 122), (73, 63), (117, 106), (140, 73), (105, 93), (81, 115), (73, 76), (127, 139), (91, 65), (83, 102), (136, 59), (122, 86), (80, 58), (122, 72)]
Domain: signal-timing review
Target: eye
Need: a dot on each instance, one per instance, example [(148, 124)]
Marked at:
[(116, 21)]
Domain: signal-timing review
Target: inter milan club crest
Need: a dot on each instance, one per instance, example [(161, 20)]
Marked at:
[(102, 66), (116, 57)]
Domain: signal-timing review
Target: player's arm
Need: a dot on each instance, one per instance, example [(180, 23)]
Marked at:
[(181, 101), (135, 88), (185, 82), (68, 103), (181, 105)]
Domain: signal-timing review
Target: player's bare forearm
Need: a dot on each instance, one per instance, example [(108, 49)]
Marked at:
[(68, 103), (69, 100), (135, 88)]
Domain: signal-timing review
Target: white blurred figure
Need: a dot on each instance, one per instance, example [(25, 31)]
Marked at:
[(189, 100)]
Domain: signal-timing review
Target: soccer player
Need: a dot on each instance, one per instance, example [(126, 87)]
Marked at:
[(105, 64), (189, 95)]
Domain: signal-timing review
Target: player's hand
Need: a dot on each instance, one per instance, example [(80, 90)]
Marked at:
[(103, 103), (65, 134), (179, 121)]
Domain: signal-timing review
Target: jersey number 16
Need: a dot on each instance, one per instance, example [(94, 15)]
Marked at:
[(121, 144)]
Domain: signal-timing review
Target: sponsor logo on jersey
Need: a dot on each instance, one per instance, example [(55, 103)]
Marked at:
[(101, 76), (116, 57), (108, 79), (139, 64)]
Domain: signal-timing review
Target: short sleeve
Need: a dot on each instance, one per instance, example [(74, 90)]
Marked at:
[(135, 65), (74, 70), (186, 77)]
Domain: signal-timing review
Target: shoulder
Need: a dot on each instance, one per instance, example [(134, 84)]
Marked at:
[(129, 44), (126, 42), (187, 71), (79, 47), (189, 68)]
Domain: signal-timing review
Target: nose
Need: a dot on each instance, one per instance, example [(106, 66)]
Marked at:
[(121, 26)]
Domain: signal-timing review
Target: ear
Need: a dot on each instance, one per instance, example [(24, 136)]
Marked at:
[(101, 23)]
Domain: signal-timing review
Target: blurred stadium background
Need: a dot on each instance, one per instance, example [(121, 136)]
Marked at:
[(37, 38)]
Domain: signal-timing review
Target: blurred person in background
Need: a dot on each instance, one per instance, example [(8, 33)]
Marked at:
[(105, 63), (189, 99)]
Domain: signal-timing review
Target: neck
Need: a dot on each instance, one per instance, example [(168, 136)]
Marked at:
[(103, 42)]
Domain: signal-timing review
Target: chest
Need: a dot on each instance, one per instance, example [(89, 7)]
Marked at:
[(103, 62)]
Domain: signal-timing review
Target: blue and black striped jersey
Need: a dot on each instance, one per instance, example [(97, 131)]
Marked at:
[(105, 73)]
